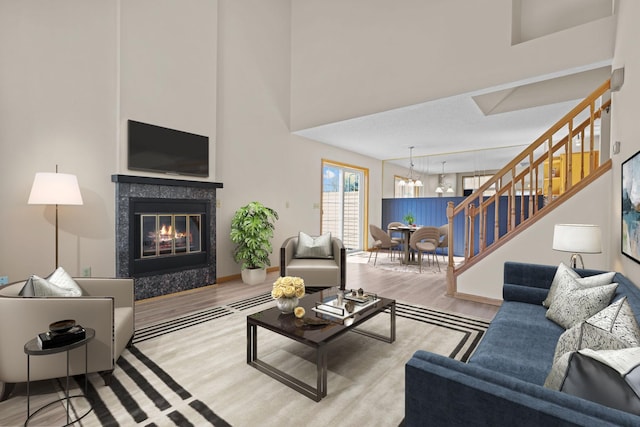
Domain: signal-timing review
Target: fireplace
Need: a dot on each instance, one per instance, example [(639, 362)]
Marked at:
[(165, 233), (168, 235)]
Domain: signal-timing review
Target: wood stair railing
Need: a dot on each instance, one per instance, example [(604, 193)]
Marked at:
[(540, 177)]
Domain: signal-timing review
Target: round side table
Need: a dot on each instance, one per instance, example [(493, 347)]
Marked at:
[(32, 348)]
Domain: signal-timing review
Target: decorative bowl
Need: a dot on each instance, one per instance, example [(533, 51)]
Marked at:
[(62, 325)]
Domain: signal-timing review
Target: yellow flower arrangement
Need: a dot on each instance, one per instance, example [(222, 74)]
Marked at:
[(288, 286)]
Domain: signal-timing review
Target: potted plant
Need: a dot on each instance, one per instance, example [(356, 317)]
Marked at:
[(409, 219), (251, 230)]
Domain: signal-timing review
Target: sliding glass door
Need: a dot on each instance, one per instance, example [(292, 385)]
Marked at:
[(344, 189)]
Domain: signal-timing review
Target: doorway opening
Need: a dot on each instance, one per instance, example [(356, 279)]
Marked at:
[(344, 203)]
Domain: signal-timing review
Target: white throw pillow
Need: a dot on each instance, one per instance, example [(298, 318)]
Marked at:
[(619, 319), (580, 337), (314, 246), (572, 303), (57, 284), (565, 271)]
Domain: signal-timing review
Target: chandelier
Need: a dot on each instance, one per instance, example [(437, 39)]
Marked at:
[(411, 182), (440, 188)]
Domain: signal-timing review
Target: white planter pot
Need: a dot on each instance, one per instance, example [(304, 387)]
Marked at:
[(253, 276)]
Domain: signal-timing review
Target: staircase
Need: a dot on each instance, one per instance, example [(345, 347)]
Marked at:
[(559, 163)]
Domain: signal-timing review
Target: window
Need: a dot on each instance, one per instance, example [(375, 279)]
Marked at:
[(472, 183)]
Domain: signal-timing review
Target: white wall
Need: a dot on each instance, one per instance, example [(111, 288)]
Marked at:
[(68, 80), (600, 203), (57, 106), (533, 245), (168, 69), (74, 71), (258, 158), (624, 120), (357, 57)]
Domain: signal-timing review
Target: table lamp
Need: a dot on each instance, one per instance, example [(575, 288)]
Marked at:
[(55, 189), (577, 239)]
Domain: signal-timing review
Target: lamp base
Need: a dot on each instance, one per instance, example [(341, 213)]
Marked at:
[(574, 259)]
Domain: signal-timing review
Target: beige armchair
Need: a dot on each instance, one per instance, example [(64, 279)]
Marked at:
[(315, 271), (107, 305)]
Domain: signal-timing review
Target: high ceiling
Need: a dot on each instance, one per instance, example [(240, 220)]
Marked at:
[(483, 130)]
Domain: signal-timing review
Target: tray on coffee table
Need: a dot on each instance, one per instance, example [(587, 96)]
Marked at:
[(338, 311)]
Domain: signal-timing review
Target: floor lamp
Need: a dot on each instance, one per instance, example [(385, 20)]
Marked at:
[(577, 239), (55, 189)]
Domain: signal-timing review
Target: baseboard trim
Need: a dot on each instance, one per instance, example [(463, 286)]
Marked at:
[(239, 277), (477, 298)]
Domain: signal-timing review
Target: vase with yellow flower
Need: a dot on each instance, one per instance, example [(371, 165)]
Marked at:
[(286, 291)]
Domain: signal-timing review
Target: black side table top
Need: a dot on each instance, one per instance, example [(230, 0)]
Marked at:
[(33, 349)]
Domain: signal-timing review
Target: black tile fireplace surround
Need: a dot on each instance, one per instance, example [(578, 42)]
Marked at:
[(165, 275)]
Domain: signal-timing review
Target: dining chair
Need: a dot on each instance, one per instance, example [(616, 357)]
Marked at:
[(381, 240), (394, 233), (444, 239), (399, 235), (425, 240)]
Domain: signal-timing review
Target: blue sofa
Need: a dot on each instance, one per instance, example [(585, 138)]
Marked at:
[(502, 383)]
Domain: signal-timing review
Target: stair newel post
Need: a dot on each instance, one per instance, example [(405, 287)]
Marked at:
[(451, 285)]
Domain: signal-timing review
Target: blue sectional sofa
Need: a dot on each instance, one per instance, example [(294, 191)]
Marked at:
[(502, 383)]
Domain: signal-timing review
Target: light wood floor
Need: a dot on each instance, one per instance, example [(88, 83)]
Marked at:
[(426, 289)]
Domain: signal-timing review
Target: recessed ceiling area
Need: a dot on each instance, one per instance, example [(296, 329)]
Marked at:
[(494, 124), (547, 92)]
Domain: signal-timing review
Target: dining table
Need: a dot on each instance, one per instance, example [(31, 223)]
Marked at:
[(406, 238)]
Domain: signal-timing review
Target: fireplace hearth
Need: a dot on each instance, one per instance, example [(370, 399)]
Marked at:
[(165, 233)]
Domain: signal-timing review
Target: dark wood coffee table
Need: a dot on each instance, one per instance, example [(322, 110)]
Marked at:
[(317, 337)]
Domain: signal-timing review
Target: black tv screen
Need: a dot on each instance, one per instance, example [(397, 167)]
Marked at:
[(159, 149)]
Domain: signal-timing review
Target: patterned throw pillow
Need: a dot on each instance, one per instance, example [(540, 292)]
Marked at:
[(618, 319), (564, 271), (314, 247), (57, 284), (585, 335), (622, 361), (572, 303), (581, 336), (558, 372)]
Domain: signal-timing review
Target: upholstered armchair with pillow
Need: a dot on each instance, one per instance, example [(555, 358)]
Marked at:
[(319, 260), (106, 305)]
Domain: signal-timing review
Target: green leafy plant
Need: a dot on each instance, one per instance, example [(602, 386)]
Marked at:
[(409, 219), (251, 230)]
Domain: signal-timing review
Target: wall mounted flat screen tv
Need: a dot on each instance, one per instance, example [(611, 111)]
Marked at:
[(159, 149)]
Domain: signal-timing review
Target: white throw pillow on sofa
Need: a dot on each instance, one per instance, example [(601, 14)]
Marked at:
[(619, 319), (572, 303), (564, 271), (581, 336)]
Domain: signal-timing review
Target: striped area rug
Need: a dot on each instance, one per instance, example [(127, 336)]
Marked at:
[(152, 387)]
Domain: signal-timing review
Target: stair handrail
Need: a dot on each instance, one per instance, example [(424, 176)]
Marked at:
[(508, 179)]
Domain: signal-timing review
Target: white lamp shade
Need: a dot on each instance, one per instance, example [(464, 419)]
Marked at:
[(577, 238), (418, 183), (55, 189), (439, 190)]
